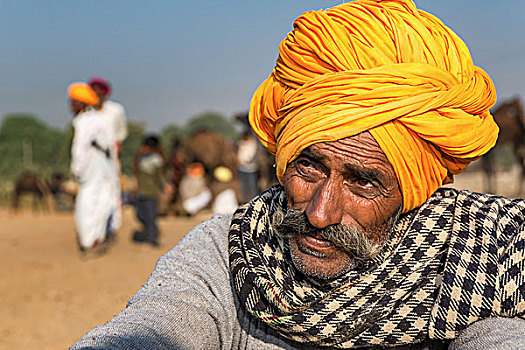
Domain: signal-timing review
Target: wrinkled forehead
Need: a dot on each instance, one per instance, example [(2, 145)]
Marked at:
[(362, 145)]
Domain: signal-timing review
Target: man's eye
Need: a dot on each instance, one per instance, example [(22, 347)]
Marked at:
[(304, 163), (361, 181), (305, 167), (365, 187)]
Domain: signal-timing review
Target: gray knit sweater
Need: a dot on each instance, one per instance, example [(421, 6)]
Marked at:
[(189, 303)]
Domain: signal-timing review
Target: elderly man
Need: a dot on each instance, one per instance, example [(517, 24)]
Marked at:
[(371, 108), (92, 163), (114, 115), (113, 112)]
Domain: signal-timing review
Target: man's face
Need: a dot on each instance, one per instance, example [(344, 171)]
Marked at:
[(75, 106), (346, 185)]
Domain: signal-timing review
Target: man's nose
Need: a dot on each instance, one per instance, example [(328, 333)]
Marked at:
[(326, 207)]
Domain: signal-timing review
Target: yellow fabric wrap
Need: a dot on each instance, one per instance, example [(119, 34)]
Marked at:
[(82, 92), (383, 67)]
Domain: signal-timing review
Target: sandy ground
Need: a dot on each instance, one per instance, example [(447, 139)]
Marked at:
[(51, 295)]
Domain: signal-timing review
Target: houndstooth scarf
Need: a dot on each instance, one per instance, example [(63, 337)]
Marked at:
[(458, 258)]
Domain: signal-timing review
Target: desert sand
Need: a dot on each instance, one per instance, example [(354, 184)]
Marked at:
[(52, 295)]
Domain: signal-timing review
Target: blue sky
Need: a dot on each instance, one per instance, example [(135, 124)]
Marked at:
[(169, 60)]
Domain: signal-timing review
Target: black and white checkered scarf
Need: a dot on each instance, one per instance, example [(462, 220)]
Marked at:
[(457, 259)]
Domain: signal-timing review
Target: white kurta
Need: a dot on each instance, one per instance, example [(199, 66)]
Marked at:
[(96, 174), (114, 114), (115, 117)]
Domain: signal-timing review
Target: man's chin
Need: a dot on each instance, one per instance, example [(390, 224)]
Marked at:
[(318, 261)]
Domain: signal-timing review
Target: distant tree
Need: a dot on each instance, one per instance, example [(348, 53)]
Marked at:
[(26, 143), (212, 121), (131, 145), (168, 133)]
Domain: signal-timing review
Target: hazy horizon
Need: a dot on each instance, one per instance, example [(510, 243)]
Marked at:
[(170, 60)]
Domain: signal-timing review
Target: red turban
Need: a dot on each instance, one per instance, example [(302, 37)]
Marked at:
[(102, 84)]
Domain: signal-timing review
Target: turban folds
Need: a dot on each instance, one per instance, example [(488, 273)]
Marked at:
[(102, 84), (82, 92), (387, 68)]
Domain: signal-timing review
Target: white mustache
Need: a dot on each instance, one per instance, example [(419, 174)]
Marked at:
[(351, 239)]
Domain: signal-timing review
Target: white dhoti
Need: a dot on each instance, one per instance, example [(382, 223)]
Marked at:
[(116, 215), (94, 167), (114, 115), (95, 203)]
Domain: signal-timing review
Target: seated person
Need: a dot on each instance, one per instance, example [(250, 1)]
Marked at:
[(371, 108)]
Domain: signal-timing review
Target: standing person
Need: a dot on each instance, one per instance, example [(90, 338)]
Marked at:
[(176, 169), (93, 164), (247, 165), (113, 112), (149, 169), (114, 115)]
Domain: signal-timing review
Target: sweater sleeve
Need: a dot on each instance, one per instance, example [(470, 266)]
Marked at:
[(492, 334), (186, 303)]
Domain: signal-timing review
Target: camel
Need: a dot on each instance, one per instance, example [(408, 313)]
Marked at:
[(31, 183), (511, 121), (211, 150)]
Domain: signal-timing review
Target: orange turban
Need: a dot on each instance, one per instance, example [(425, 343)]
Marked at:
[(82, 92), (387, 68)]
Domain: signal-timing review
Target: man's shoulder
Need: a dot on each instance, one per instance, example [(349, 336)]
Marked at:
[(88, 118), (506, 214), (84, 115), (198, 263), (113, 106), (208, 238), (467, 200), (215, 228), (481, 214)]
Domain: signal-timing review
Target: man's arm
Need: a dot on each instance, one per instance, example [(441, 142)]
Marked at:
[(492, 334), (186, 303), (82, 137)]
